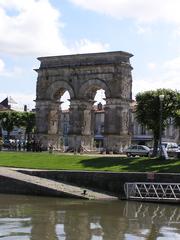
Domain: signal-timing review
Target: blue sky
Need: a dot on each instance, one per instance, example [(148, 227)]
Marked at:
[(150, 30)]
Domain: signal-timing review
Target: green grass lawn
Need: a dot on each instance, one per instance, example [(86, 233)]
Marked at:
[(45, 160)]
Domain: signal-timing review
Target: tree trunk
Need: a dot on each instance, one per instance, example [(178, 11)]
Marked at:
[(155, 146), (8, 135), (1, 135)]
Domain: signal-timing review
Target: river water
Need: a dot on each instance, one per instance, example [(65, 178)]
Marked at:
[(41, 218)]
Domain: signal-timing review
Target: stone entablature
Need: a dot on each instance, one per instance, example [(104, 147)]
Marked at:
[(82, 75)]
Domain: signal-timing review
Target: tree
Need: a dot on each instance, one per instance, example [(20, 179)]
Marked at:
[(148, 110), (9, 119), (28, 121)]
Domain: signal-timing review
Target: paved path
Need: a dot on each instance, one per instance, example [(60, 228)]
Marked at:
[(57, 186)]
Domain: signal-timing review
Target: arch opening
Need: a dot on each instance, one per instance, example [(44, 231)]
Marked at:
[(63, 97), (65, 100), (99, 105), (100, 97)]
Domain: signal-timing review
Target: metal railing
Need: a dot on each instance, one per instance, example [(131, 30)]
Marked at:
[(152, 191)]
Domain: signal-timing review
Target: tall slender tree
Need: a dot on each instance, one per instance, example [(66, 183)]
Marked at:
[(28, 121)]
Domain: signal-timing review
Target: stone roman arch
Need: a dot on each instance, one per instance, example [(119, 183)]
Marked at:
[(82, 75)]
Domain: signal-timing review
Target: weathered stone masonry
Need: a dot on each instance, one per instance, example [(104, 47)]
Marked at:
[(82, 75)]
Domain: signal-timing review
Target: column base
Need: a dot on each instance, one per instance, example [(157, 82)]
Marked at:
[(77, 141), (116, 143), (50, 139)]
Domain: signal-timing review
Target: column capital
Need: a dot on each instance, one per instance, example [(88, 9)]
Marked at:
[(81, 104), (114, 102)]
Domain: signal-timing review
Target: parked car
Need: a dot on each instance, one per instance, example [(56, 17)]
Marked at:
[(6, 144), (171, 148), (137, 150)]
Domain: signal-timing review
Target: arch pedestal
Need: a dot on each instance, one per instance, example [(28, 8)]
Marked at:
[(47, 120), (117, 124), (81, 125)]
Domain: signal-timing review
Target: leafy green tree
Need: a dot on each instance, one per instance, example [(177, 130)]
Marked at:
[(148, 110), (9, 119), (28, 121)]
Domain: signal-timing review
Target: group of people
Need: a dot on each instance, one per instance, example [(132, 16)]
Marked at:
[(34, 146), (18, 145)]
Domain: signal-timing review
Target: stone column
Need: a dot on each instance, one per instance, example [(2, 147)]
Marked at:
[(47, 122), (117, 124), (80, 124)]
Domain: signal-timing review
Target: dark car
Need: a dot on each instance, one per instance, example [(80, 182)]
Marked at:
[(6, 144)]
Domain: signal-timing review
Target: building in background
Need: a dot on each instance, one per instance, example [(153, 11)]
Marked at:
[(9, 104), (140, 134)]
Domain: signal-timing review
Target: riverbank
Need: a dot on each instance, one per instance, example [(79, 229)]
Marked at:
[(88, 162), (97, 184), (28, 182)]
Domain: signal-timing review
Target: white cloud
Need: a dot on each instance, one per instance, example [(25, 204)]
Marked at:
[(149, 83), (152, 66), (1, 66), (15, 71), (171, 73), (87, 46), (168, 77), (34, 27), (173, 64), (140, 10), (143, 28), (176, 32)]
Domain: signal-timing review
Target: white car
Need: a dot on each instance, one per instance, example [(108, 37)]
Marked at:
[(137, 150), (171, 148)]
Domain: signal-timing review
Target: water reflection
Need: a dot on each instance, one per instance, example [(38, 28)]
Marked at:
[(10, 227), (38, 218)]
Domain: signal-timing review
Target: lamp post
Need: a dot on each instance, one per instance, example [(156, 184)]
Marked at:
[(161, 99)]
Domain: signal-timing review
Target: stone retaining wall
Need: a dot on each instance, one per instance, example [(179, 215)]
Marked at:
[(109, 182)]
